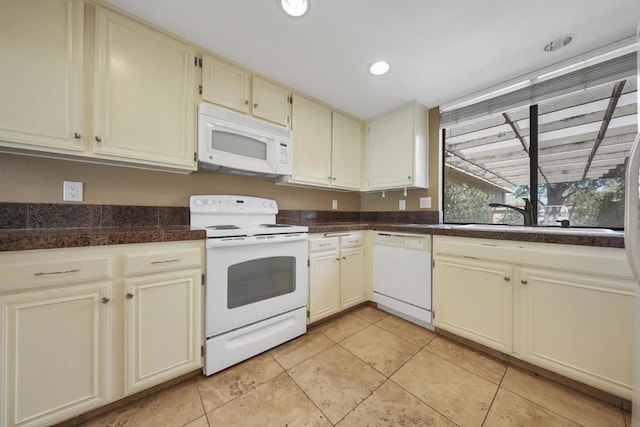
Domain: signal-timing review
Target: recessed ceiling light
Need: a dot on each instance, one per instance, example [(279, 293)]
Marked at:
[(558, 43), (295, 8), (379, 68)]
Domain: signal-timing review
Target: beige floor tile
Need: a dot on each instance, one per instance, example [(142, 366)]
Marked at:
[(390, 405), (224, 386), (370, 314), (290, 354), (336, 381), (382, 350), (175, 406), (562, 400), (343, 327), (510, 410), (458, 394), (488, 368), (200, 422), (278, 402), (407, 330)]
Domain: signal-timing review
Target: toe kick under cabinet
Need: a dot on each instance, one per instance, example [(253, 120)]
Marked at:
[(565, 308), (82, 327)]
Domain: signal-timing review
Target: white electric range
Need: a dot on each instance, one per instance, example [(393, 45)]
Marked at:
[(256, 277)]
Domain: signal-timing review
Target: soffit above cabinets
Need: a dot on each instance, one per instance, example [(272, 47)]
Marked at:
[(438, 51)]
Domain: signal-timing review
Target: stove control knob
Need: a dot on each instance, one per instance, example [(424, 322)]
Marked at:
[(272, 205), (198, 202), (210, 202), (265, 204)]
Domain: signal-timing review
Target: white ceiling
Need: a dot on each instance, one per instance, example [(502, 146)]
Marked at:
[(439, 50)]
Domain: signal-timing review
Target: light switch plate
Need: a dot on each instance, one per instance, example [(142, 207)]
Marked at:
[(72, 191), (334, 204), (425, 202), (402, 205)]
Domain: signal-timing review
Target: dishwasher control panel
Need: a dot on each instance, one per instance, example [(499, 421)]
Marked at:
[(418, 242)]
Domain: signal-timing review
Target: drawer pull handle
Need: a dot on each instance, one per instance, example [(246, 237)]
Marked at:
[(164, 262), (105, 300), (57, 272), (324, 244), (524, 282), (507, 278), (129, 295), (77, 135)]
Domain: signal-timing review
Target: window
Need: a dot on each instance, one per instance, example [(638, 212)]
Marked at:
[(566, 153)]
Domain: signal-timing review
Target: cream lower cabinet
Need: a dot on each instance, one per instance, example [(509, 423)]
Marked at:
[(473, 298), (579, 325), (71, 339), (568, 309), (336, 274)]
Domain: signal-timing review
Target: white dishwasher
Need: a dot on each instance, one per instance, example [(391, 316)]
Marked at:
[(402, 275)]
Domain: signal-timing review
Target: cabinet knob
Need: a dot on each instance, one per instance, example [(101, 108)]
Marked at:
[(98, 139), (77, 135), (409, 177), (255, 105), (105, 300), (246, 102), (129, 295), (334, 178), (524, 282), (337, 258), (344, 257), (507, 278)]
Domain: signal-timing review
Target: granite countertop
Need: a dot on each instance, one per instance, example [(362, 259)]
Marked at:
[(48, 238), (535, 235)]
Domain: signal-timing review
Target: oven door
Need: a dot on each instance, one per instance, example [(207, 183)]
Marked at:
[(249, 280)]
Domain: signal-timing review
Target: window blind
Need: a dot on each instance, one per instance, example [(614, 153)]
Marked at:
[(608, 71)]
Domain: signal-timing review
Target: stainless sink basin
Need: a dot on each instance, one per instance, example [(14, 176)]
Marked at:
[(542, 229)]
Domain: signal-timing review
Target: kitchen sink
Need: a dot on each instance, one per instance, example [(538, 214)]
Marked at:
[(542, 229)]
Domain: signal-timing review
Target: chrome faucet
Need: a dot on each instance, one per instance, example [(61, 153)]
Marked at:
[(527, 211)]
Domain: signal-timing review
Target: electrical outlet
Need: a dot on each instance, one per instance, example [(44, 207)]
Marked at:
[(334, 204), (402, 205), (72, 191), (425, 202)]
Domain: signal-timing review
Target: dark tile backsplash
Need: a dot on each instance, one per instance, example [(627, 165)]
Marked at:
[(52, 215), (59, 215)]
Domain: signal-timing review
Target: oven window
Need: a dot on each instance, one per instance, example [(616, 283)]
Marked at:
[(260, 279), (238, 144)]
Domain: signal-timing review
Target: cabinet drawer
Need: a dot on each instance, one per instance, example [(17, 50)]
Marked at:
[(162, 261), (324, 244), (19, 276), (351, 241)]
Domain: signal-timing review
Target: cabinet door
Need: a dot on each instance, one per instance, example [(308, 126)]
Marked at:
[(390, 148), (41, 69), (578, 325), (311, 142), (346, 152), (162, 328), (473, 299), (271, 102), (352, 276), (54, 349), (225, 84), (144, 110), (324, 285)]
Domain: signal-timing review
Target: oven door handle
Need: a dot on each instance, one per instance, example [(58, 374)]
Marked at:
[(226, 242)]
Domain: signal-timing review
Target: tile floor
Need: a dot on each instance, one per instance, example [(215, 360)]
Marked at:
[(367, 368)]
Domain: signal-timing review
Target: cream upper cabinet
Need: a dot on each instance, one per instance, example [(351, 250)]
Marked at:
[(271, 102), (473, 299), (225, 84), (234, 87), (311, 142), (326, 147), (144, 100), (397, 149), (41, 69), (346, 153)]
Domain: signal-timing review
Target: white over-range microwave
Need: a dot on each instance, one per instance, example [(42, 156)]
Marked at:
[(234, 143)]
